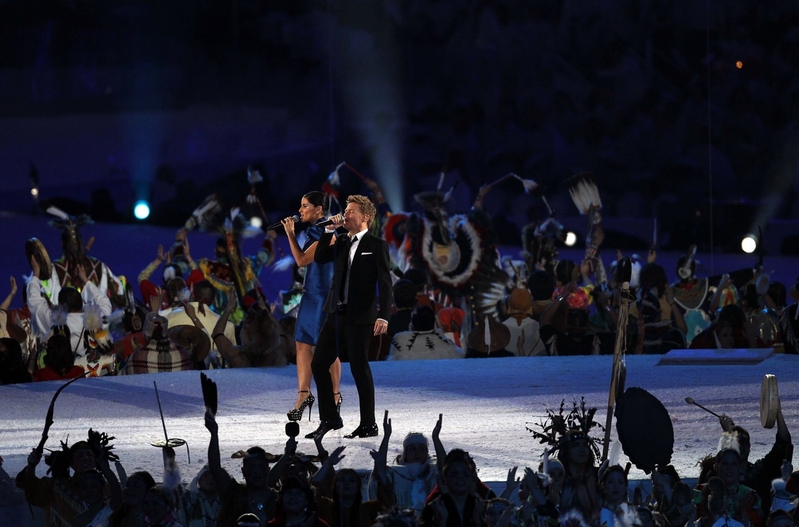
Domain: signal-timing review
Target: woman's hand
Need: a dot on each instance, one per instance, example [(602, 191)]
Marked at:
[(156, 300), (288, 225), (13, 283)]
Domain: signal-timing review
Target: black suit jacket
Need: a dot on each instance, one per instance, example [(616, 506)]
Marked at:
[(370, 277)]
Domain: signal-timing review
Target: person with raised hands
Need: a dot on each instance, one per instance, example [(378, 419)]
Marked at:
[(411, 477)]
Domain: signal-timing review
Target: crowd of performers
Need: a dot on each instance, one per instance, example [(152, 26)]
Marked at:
[(443, 292), (453, 295), (573, 485)]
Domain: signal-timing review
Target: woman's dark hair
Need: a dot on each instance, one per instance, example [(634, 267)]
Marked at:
[(457, 455), (564, 271), (127, 320), (750, 296), (294, 483), (653, 276), (146, 477), (541, 285), (173, 288), (12, 369), (356, 505), (423, 318), (776, 515), (318, 199), (734, 315), (404, 294), (777, 292), (59, 355)]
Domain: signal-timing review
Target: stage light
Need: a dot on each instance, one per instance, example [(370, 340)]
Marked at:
[(749, 244), (141, 210), (256, 222), (739, 64), (571, 239), (35, 192)]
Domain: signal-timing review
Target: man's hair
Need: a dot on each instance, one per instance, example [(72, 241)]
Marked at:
[(59, 355), (541, 285), (423, 318), (204, 292), (367, 207), (70, 298), (173, 288), (404, 293)]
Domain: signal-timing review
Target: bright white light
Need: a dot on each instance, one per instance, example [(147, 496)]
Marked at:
[(256, 222), (571, 239), (34, 192), (748, 245), (141, 210)]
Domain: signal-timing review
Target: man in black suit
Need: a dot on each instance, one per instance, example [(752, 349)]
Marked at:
[(354, 311)]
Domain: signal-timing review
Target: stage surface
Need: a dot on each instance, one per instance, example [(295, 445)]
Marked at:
[(487, 405)]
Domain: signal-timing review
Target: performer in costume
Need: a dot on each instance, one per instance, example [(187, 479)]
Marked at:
[(64, 270), (313, 209), (354, 311)]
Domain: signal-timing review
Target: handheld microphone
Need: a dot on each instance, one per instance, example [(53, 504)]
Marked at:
[(274, 226)]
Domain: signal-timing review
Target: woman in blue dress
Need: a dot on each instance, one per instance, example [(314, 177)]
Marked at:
[(311, 316)]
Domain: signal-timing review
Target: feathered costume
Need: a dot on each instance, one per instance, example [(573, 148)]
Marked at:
[(459, 252), (65, 269)]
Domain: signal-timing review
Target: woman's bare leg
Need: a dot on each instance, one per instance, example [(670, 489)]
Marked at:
[(304, 357)]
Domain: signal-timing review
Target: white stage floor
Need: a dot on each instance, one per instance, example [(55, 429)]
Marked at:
[(486, 405)]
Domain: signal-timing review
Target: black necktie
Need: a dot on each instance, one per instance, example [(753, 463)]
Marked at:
[(343, 285)]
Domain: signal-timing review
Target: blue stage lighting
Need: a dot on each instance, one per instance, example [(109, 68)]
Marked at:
[(141, 210)]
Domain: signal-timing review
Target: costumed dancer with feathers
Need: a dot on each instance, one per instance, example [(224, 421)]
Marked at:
[(59, 494), (568, 434), (79, 316), (65, 271), (231, 272), (459, 253)]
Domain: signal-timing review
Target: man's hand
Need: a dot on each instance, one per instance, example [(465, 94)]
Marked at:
[(381, 327), (336, 222), (13, 283), (82, 274), (437, 428), (726, 423), (160, 254), (190, 311), (386, 425), (156, 300), (34, 457), (210, 423), (335, 456)]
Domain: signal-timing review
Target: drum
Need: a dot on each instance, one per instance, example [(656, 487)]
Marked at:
[(35, 248), (769, 401)]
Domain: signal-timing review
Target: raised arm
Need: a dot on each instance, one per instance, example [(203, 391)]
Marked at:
[(325, 252), (221, 477), (441, 452), (7, 302), (230, 352)]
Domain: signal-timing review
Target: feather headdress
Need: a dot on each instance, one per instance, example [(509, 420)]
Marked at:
[(560, 428), (584, 192), (204, 214)]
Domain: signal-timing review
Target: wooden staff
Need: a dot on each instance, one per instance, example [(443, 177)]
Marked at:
[(618, 351)]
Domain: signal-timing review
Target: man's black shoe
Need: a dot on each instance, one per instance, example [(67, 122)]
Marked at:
[(363, 431), (325, 427)]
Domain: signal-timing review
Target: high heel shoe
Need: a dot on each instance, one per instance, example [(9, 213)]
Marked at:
[(296, 414), (338, 404)]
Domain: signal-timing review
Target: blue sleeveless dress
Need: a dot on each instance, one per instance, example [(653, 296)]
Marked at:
[(318, 278)]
